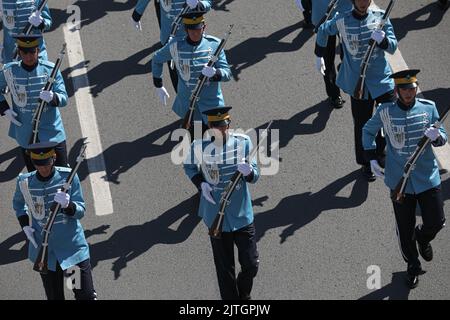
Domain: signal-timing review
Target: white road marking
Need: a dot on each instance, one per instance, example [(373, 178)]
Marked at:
[(397, 64), (85, 107)]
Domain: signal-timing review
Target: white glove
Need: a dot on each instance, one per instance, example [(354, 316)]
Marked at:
[(320, 65), (206, 192), (29, 232), (208, 71), (192, 3), (62, 198), (299, 5), (11, 116), (378, 35), (244, 168), (432, 133), (376, 169), (163, 95), (35, 19), (46, 95), (136, 25)]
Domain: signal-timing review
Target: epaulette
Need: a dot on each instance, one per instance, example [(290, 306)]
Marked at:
[(23, 176), (63, 169), (209, 37), (47, 63), (11, 64), (426, 101)]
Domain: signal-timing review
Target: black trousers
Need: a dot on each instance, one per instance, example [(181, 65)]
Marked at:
[(158, 12), (173, 76), (307, 5), (329, 78), (362, 111), (431, 206), (61, 157), (232, 288), (54, 282)]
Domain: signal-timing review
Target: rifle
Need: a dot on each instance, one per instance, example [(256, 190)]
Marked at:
[(41, 263), (28, 27), (174, 28), (398, 195), (358, 93), (187, 120), (48, 86), (331, 6), (216, 228)]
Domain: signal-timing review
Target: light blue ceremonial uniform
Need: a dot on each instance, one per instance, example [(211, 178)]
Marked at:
[(25, 89), (67, 243), (319, 8), (169, 11), (223, 161), (15, 18), (189, 61), (355, 35), (403, 131)]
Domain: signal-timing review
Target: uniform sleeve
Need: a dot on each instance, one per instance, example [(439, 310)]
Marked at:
[(161, 56), (223, 72), (389, 43), (254, 176), (139, 9), (442, 140), (190, 164), (77, 206), (19, 205), (328, 28), (60, 89), (47, 18), (206, 4), (369, 134)]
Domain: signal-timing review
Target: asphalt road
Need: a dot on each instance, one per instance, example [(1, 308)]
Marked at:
[(319, 225)]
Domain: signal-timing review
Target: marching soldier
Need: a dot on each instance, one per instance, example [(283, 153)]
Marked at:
[(166, 12), (67, 247), (226, 155), (26, 80), (16, 15), (319, 8), (356, 28), (405, 122), (190, 55)]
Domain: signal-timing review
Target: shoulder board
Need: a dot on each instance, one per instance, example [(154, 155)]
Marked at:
[(11, 64), (211, 38), (47, 63), (426, 101), (23, 176), (241, 136), (63, 169)]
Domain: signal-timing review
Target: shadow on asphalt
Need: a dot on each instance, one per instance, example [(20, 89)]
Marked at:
[(15, 167), (130, 242), (221, 5), (440, 97), (396, 290), (91, 11), (296, 211), (122, 156), (254, 50), (415, 21)]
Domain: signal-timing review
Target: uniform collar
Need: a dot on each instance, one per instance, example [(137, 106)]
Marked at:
[(404, 107), (28, 68), (193, 43), (45, 179), (358, 16)]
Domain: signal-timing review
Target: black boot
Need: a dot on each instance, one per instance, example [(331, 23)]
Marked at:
[(336, 103), (412, 275), (368, 174), (425, 249)]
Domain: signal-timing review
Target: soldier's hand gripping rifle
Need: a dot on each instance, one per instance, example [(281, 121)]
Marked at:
[(29, 27), (358, 93), (216, 228), (48, 86), (41, 263), (187, 121), (331, 6), (398, 195)]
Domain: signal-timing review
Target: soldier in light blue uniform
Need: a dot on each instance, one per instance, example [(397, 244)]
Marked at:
[(35, 194), (26, 80), (319, 8), (167, 11), (16, 15), (405, 122), (190, 54), (210, 166), (356, 28)]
